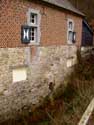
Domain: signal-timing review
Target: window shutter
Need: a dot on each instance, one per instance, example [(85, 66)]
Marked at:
[(25, 34), (74, 37)]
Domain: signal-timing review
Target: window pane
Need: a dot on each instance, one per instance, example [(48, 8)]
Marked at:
[(33, 34), (70, 36), (32, 21), (32, 29), (32, 38), (70, 25), (33, 18)]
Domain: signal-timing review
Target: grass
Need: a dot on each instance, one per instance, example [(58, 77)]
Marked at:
[(68, 106)]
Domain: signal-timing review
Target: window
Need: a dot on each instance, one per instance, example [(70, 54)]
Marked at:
[(71, 34), (33, 18), (19, 74), (34, 22)]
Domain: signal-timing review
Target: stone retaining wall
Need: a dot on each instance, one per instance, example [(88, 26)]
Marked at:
[(45, 72)]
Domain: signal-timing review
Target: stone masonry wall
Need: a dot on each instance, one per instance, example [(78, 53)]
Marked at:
[(49, 67)]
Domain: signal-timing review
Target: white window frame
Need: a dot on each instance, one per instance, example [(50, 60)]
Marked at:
[(37, 25), (68, 29)]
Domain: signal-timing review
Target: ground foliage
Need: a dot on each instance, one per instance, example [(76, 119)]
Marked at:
[(65, 107)]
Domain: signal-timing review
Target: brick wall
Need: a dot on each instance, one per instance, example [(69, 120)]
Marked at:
[(13, 14)]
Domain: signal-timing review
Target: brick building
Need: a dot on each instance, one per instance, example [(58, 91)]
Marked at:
[(52, 22), (55, 34)]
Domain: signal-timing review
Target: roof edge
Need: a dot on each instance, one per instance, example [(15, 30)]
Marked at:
[(60, 6), (88, 26)]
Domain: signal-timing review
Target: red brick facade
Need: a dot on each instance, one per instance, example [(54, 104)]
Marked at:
[(13, 14)]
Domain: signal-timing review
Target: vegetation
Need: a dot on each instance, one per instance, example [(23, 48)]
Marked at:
[(86, 6), (66, 107)]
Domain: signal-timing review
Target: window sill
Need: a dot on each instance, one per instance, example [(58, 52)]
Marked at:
[(34, 43), (70, 43)]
